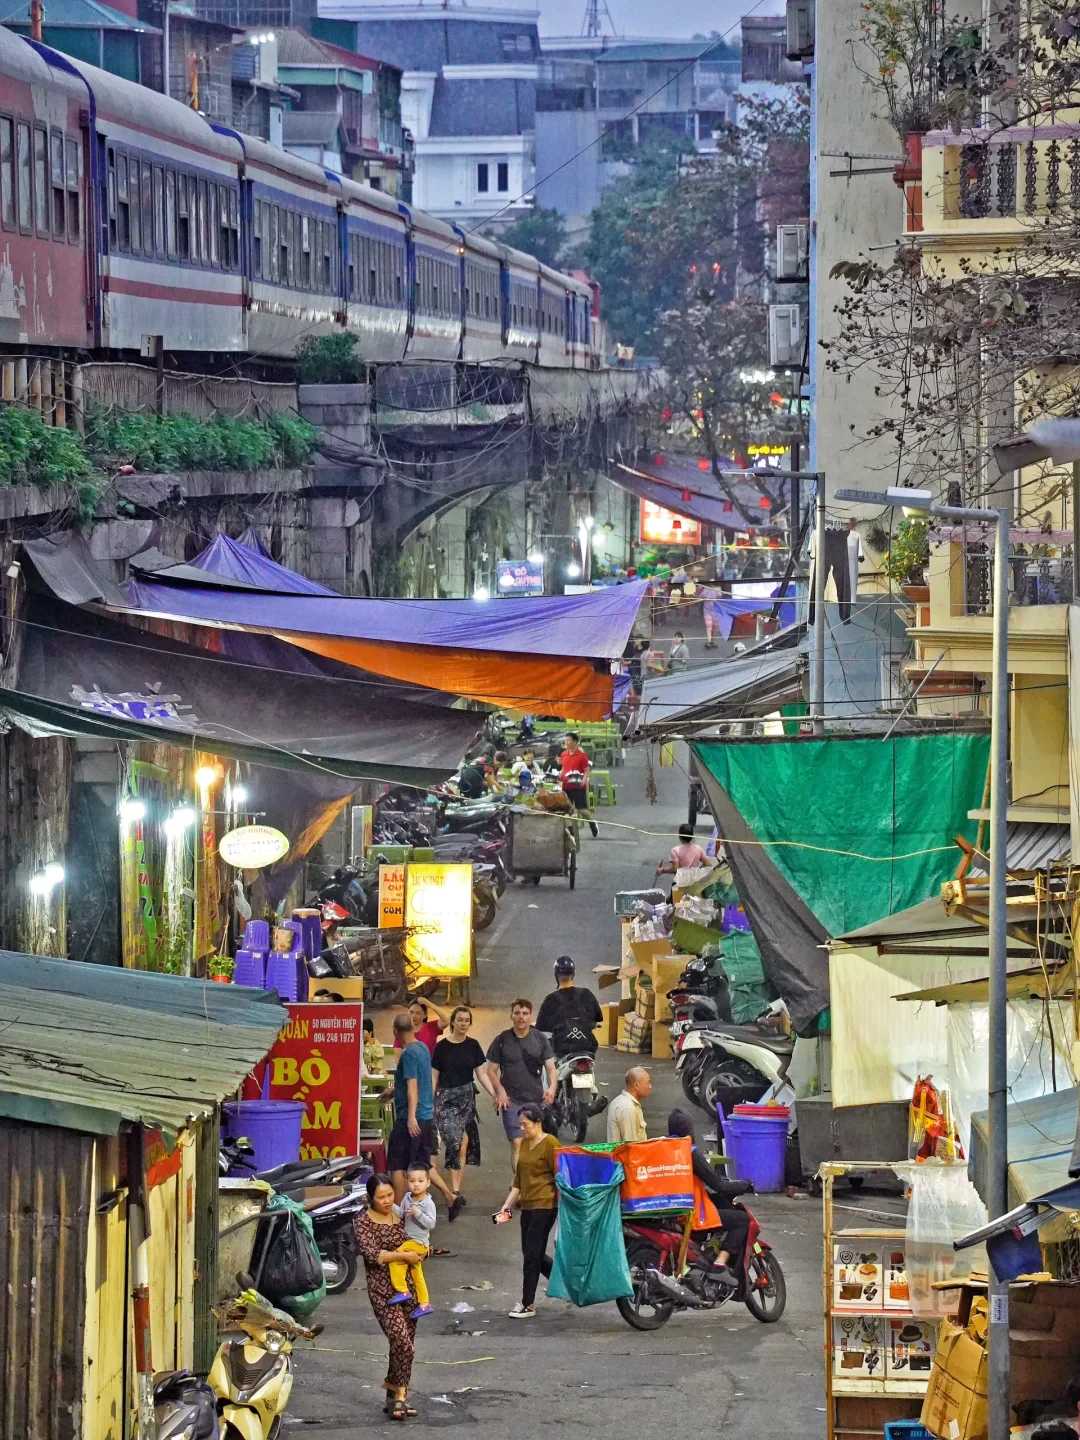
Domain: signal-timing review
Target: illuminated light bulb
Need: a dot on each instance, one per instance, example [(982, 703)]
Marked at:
[(132, 811)]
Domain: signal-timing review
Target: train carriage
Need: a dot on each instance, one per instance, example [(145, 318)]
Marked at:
[(376, 272), (435, 263), (521, 299), (484, 320), (554, 340)]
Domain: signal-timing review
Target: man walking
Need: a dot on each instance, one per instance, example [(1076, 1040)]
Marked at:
[(574, 777), (625, 1118), (521, 1067), (412, 1139)]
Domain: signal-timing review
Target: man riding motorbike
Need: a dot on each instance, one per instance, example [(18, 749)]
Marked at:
[(570, 1013), (721, 1191)]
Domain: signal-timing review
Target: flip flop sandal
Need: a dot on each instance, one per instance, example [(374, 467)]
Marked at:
[(399, 1410), (438, 1250), (388, 1408)]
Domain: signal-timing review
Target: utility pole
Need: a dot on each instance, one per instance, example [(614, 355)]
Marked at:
[(37, 19), (817, 688)]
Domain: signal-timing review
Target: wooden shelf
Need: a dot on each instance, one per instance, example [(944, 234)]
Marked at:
[(881, 1233), (891, 1385), (839, 1311)]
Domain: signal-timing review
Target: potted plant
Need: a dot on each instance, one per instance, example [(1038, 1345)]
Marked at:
[(905, 561), (220, 969)]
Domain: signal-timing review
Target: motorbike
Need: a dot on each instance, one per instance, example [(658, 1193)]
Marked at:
[(252, 1373), (702, 993), (577, 1099), (184, 1407), (714, 1058), (652, 1252)]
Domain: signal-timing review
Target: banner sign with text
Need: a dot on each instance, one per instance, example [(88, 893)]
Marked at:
[(317, 1059)]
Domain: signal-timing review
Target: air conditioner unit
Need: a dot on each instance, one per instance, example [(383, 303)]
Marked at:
[(785, 335), (792, 251), (800, 29)]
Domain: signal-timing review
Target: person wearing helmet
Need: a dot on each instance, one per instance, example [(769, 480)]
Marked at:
[(570, 1013)]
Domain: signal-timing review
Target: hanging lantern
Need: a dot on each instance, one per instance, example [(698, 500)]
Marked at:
[(658, 459), (728, 507), (676, 524), (665, 414)]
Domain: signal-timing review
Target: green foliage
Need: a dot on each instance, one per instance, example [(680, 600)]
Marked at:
[(33, 453), (329, 360), (164, 444), (541, 233), (909, 551)]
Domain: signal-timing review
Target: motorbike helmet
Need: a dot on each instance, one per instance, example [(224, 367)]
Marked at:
[(564, 967)]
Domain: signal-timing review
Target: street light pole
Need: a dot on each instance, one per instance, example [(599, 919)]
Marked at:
[(998, 1076), (817, 699)]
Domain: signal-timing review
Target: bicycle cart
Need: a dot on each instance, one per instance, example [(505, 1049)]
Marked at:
[(543, 843)]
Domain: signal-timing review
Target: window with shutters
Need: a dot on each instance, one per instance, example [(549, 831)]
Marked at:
[(123, 206), (170, 215), (183, 218), (158, 206), (7, 172), (147, 208), (58, 186), (41, 179), (134, 208), (25, 186)]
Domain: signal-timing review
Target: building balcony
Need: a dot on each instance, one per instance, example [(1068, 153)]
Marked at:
[(977, 196)]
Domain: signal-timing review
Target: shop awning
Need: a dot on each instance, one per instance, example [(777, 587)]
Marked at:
[(88, 1047), (232, 560), (549, 655), (711, 692), (84, 674), (708, 506), (1043, 1145)]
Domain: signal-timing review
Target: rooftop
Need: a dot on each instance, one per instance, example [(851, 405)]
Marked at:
[(412, 45), (482, 107), (296, 47), (686, 50), (75, 15)]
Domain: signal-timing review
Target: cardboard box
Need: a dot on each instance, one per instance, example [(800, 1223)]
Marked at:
[(645, 998), (857, 1275), (859, 1347), (661, 1040), (634, 1034), (607, 1032), (642, 952), (665, 971), (955, 1403), (910, 1351), (896, 1291), (351, 988)]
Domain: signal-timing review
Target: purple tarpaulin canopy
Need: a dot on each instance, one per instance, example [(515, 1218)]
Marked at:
[(724, 608), (237, 561), (700, 499), (596, 625)]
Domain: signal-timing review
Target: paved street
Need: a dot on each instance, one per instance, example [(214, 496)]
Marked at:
[(569, 1367)]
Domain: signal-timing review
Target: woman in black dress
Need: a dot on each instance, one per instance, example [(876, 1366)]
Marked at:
[(457, 1063), (379, 1238)]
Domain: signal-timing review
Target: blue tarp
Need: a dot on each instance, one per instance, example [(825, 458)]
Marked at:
[(234, 560)]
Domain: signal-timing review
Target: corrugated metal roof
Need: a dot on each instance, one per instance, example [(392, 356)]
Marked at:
[(88, 1047), (77, 15), (1042, 1135), (1030, 846), (296, 47), (667, 50)]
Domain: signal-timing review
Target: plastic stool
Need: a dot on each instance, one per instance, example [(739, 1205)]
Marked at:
[(601, 789)]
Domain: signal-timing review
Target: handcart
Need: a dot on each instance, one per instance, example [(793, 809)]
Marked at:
[(543, 843), (380, 956)]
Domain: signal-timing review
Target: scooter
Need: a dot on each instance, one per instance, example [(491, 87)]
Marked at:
[(577, 1099), (652, 1254), (252, 1373), (702, 994), (736, 1057), (185, 1407)]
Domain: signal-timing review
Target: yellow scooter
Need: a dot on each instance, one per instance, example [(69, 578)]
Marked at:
[(252, 1373)]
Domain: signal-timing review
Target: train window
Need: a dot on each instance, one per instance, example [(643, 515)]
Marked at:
[(271, 212), (329, 276), (234, 229), (305, 252), (25, 186), (134, 206), (7, 172), (41, 179), (157, 204), (123, 205), (213, 225), (72, 177), (281, 245), (204, 228), (170, 214), (399, 274), (59, 192), (183, 218)]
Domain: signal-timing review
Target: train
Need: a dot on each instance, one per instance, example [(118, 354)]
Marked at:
[(130, 224)]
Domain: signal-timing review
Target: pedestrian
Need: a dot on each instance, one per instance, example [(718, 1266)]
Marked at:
[(533, 1191), (710, 594), (687, 855), (625, 1118), (417, 1213), (380, 1240), (516, 1060), (679, 658), (570, 1014), (472, 781), (459, 1066), (374, 1059), (574, 775), (721, 1191), (426, 1030), (412, 1138)]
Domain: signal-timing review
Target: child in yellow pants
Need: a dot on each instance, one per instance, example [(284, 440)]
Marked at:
[(417, 1209)]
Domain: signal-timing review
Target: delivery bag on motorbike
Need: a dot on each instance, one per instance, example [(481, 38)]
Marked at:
[(590, 1256), (659, 1175), (292, 1274)]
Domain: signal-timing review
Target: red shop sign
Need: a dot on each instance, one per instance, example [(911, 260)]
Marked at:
[(317, 1059)]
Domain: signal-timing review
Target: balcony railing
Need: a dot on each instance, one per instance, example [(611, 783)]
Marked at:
[(1018, 178), (1040, 568)]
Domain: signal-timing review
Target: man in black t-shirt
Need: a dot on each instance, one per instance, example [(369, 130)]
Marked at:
[(521, 1068), (569, 1014)]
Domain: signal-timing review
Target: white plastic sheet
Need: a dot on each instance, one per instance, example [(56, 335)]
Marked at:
[(944, 1206)]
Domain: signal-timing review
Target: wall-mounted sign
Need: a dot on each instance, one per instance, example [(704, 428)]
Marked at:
[(438, 899), (766, 449), (520, 577), (251, 847), (663, 527), (391, 896), (316, 1059)]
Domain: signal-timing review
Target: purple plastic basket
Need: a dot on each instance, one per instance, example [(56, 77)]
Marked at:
[(286, 974), (257, 935), (250, 968)]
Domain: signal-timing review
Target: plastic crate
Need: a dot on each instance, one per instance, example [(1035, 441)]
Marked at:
[(907, 1430)]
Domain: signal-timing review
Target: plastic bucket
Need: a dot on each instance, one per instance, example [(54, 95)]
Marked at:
[(272, 1126), (755, 1145)]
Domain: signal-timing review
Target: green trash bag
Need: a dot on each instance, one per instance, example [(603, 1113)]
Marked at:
[(590, 1256)]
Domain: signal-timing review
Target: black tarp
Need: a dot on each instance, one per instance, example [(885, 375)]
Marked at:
[(789, 936), (64, 562), (85, 674)]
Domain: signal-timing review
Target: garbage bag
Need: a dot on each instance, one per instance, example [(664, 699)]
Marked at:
[(944, 1206), (590, 1257), (292, 1266)]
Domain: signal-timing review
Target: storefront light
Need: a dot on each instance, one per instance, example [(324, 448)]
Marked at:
[(238, 795), (536, 557), (179, 820), (481, 593), (573, 570), (45, 881), (205, 776), (132, 810)]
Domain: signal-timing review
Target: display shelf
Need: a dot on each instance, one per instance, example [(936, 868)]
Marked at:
[(891, 1313), (887, 1386), (878, 1233)]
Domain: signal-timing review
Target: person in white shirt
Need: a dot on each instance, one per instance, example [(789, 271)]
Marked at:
[(679, 658), (625, 1118)]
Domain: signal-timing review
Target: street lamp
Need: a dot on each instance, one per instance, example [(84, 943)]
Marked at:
[(897, 497)]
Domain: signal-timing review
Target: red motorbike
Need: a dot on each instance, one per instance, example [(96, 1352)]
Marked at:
[(652, 1252)]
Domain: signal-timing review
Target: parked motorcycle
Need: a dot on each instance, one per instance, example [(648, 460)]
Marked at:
[(185, 1408), (714, 1058), (252, 1373), (652, 1253), (701, 994), (577, 1099)]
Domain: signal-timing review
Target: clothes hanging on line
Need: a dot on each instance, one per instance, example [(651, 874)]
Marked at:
[(837, 564)]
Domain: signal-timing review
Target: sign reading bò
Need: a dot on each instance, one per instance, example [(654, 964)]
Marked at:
[(250, 847), (520, 577), (316, 1059)]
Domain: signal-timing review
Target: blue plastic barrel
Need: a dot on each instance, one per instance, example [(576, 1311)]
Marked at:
[(272, 1126), (756, 1145)]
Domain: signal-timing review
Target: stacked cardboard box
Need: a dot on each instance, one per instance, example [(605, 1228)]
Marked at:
[(645, 997), (607, 1032), (635, 1034)]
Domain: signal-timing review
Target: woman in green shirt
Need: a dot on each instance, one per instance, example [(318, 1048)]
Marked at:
[(534, 1193)]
